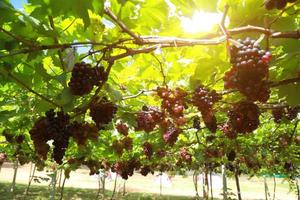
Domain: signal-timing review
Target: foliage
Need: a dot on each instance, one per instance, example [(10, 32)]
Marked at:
[(152, 78)]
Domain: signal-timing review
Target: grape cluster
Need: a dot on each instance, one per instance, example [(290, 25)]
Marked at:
[(231, 155), (250, 71), (103, 112), (148, 150), (145, 170), (52, 127), (288, 113), (12, 139), (244, 117), (228, 131), (213, 152), (126, 168), (81, 132), (148, 118), (173, 101), (124, 144), (93, 165), (3, 156), (186, 156), (279, 4), (122, 128), (84, 77), (204, 100), (171, 134)]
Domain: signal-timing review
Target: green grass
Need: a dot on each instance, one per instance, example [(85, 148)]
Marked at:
[(42, 192)]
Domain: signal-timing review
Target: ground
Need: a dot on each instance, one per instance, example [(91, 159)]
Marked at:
[(180, 186)]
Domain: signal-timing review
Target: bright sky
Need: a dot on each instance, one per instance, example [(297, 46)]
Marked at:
[(18, 3)]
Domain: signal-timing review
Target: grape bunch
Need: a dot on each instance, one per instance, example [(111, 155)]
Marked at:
[(250, 70), (102, 112), (231, 155), (279, 4), (148, 150), (148, 118), (244, 117), (13, 139), (124, 144), (118, 147), (186, 156), (54, 126), (126, 168), (84, 77), (171, 134), (81, 132), (204, 99), (288, 113), (228, 131), (145, 170), (122, 128), (173, 101), (3, 156)]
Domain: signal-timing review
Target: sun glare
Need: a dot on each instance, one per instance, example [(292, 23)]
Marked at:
[(202, 22)]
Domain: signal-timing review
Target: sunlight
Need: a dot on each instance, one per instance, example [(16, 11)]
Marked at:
[(202, 22)]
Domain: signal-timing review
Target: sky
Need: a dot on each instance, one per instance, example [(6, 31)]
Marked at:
[(18, 3)]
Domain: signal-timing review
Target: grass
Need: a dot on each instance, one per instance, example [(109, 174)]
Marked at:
[(42, 192)]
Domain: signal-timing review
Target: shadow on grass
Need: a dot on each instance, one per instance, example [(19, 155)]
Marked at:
[(42, 193)]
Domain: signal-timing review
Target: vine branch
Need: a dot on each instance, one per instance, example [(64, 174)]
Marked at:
[(30, 89)]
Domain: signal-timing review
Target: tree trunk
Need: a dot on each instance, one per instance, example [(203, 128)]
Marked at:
[(53, 185), (236, 174), (13, 184), (224, 180), (31, 176)]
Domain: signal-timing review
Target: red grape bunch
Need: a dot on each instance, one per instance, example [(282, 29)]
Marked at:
[(122, 128), (148, 150), (148, 118), (288, 113), (84, 77), (250, 70), (126, 168), (54, 126), (102, 112), (173, 101), (279, 4), (3, 156), (171, 134), (204, 99), (81, 132), (145, 170), (186, 156), (244, 117)]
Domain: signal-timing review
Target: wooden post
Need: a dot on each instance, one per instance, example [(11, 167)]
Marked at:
[(236, 175), (53, 185), (13, 184), (31, 176), (224, 182)]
